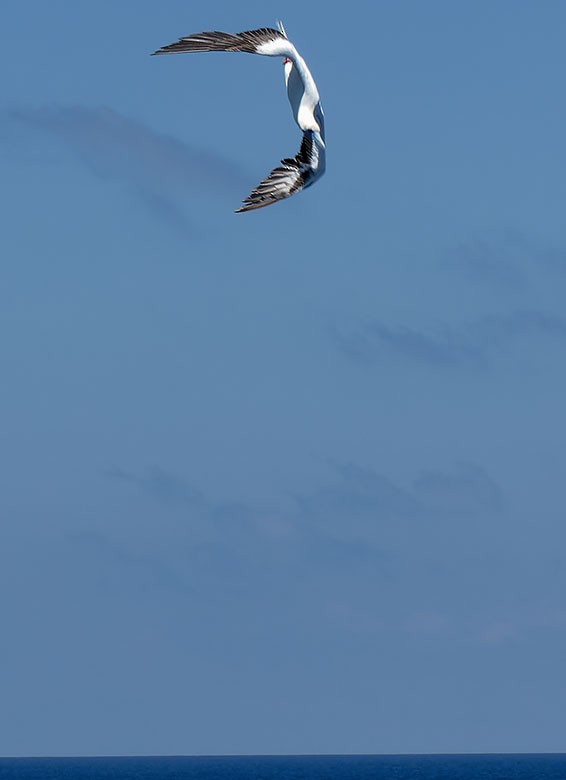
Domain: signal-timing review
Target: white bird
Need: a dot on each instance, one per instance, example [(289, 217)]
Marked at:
[(294, 173)]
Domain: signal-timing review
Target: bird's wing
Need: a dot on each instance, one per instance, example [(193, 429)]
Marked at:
[(293, 175), (266, 40)]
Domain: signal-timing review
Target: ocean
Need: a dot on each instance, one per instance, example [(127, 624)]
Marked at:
[(426, 767)]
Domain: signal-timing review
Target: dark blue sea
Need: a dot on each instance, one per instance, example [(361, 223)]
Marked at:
[(429, 767)]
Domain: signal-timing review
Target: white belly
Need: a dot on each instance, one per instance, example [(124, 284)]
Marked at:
[(302, 101)]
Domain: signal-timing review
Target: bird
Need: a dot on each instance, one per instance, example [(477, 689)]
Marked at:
[(308, 165)]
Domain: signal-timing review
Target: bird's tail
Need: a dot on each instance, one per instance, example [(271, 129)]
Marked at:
[(280, 27)]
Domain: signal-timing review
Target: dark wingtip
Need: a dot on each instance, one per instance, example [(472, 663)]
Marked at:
[(247, 205)]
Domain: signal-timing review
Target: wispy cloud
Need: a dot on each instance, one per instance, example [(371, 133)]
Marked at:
[(159, 168), (149, 566), (358, 491), (500, 259), (161, 485), (342, 550), (349, 507), (473, 343), (467, 488), (506, 260)]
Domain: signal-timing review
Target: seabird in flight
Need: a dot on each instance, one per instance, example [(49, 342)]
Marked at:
[(294, 173)]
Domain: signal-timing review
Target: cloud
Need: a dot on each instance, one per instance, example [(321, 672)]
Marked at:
[(149, 567), (354, 505), (506, 260), (358, 491), (500, 259), (161, 485), (211, 528), (228, 520), (159, 168), (466, 489), (364, 552), (232, 547), (375, 339), (467, 344)]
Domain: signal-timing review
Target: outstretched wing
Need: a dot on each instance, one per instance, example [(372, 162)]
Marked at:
[(293, 175), (250, 41)]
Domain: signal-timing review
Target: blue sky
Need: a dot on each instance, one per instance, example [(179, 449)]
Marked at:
[(288, 481)]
